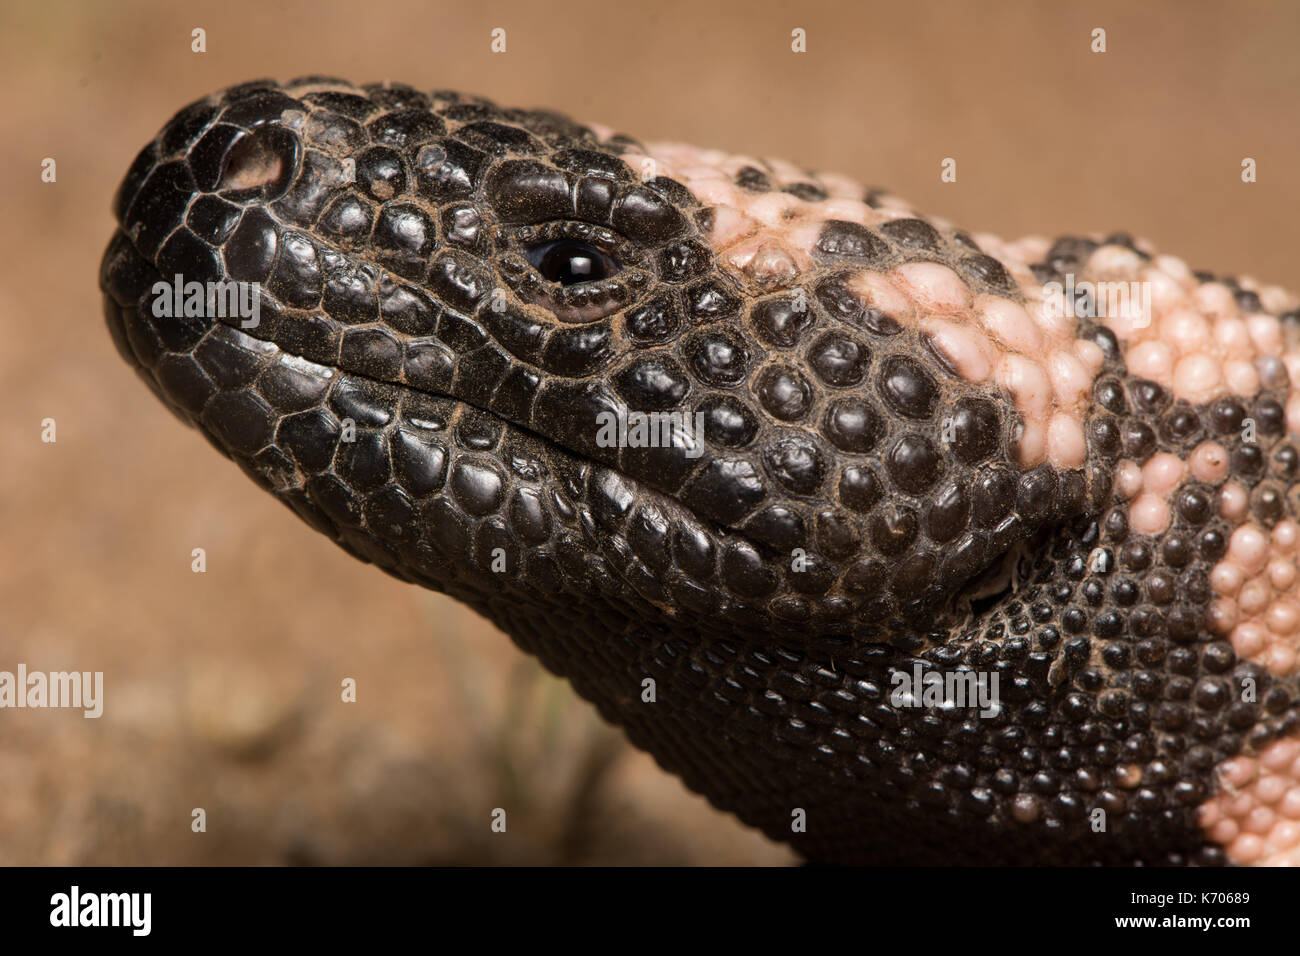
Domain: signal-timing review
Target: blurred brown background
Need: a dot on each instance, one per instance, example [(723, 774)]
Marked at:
[(222, 689)]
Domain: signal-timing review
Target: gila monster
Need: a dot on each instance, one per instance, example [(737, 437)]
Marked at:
[(886, 459)]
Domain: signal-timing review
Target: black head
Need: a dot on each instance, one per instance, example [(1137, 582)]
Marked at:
[(501, 354)]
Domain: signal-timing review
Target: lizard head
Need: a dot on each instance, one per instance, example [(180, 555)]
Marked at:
[(516, 332)]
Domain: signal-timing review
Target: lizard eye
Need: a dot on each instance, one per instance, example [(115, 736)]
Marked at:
[(579, 271), (571, 261)]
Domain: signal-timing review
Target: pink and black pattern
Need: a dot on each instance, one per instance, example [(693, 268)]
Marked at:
[(915, 457)]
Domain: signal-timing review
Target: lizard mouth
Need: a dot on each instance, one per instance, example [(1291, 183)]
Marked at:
[(427, 483), (439, 491)]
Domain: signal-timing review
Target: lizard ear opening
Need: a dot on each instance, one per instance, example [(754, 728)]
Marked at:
[(996, 583)]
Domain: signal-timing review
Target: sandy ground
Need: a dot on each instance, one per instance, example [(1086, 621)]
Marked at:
[(222, 688)]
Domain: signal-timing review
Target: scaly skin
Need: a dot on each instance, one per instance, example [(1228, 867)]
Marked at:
[(909, 459)]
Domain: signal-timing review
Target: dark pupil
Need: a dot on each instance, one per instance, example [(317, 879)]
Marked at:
[(569, 262)]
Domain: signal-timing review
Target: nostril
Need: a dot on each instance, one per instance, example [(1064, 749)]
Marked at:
[(262, 160), (246, 165)]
